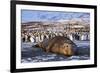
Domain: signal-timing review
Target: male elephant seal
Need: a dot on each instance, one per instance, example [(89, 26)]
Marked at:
[(59, 45)]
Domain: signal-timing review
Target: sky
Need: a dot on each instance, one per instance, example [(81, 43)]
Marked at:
[(36, 15)]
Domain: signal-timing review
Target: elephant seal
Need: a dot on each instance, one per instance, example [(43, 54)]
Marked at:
[(59, 45)]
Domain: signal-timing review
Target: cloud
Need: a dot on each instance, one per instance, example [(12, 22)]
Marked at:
[(33, 15)]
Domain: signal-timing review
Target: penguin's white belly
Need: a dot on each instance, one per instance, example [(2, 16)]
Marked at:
[(31, 39)]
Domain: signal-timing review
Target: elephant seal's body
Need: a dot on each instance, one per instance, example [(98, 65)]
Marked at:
[(59, 45)]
